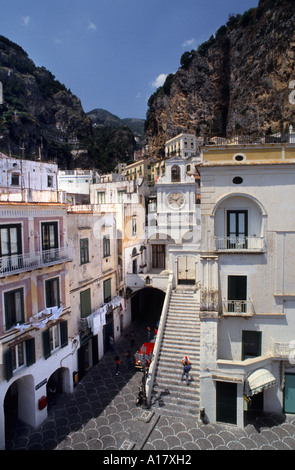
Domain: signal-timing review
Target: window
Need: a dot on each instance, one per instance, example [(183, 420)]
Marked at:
[(106, 246), (18, 356), (238, 180), (10, 240), (107, 291), (52, 293), (54, 338), (49, 235), (251, 344), (15, 177), (85, 303), (101, 197), (49, 181), (239, 158), (175, 174), (237, 294), (14, 308), (121, 196), (84, 251), (134, 228), (237, 229)]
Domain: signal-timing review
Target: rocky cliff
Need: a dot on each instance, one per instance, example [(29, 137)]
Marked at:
[(235, 83), (37, 113)]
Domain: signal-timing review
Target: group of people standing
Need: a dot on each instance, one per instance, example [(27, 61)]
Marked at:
[(186, 364)]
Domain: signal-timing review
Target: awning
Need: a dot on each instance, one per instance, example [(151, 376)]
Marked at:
[(260, 380)]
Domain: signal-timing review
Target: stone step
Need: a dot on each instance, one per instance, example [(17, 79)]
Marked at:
[(181, 337)]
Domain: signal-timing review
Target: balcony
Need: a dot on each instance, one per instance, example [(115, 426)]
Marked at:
[(240, 244), (238, 308), (16, 264)]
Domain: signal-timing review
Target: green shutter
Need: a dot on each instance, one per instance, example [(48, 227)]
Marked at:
[(46, 344), (85, 300), (107, 293), (64, 333), (30, 351), (8, 365)]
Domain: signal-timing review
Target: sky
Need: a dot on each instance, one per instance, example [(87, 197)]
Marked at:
[(113, 54)]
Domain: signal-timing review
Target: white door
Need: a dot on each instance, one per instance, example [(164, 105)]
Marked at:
[(186, 270)]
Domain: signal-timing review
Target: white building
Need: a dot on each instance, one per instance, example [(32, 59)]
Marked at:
[(76, 183), (247, 283), (28, 181), (183, 145)]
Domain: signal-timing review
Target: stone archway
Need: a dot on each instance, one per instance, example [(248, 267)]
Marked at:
[(147, 304), (58, 383), (19, 403)]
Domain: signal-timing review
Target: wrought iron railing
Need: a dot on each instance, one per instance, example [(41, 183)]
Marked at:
[(15, 264), (238, 307), (240, 243)]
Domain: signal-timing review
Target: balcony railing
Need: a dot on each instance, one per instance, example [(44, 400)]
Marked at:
[(10, 265), (283, 350), (238, 308), (256, 244)]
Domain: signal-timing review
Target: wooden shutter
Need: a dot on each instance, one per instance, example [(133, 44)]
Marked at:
[(107, 292), (46, 344), (8, 365), (85, 300), (63, 334), (30, 351)]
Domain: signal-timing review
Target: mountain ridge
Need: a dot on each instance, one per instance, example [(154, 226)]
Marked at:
[(41, 119), (237, 82)]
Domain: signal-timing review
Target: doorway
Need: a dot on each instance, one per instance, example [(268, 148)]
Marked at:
[(289, 393), (87, 356), (226, 402), (158, 256), (186, 270), (237, 294)]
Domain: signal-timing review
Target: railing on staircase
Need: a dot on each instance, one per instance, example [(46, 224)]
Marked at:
[(153, 367)]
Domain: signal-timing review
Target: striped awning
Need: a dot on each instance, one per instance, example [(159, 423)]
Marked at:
[(259, 380)]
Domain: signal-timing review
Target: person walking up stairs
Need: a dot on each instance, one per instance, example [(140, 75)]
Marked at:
[(181, 338)]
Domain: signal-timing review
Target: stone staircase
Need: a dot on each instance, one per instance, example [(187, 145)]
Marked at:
[(181, 338)]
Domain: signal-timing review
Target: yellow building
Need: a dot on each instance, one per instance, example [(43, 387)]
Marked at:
[(247, 154)]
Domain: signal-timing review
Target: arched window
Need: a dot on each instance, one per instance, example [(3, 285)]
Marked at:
[(175, 174)]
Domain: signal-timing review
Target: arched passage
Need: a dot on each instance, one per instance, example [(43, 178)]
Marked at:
[(147, 304), (58, 383), (19, 403)]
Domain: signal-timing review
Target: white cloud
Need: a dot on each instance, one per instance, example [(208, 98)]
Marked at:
[(26, 20), (190, 43), (159, 81), (92, 27)]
